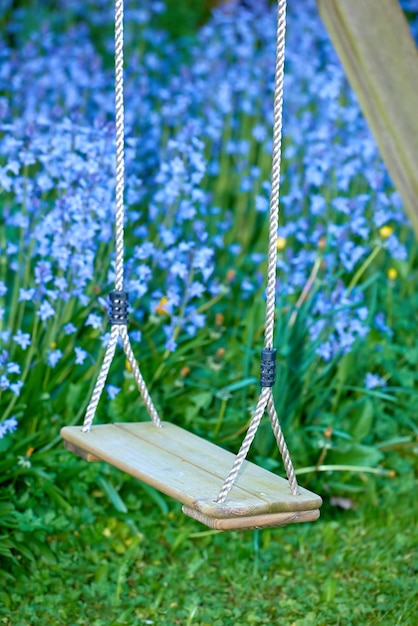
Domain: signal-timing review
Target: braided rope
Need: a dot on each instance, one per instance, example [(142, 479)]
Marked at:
[(119, 330), (281, 444), (275, 174), (101, 379), (120, 144), (245, 446), (266, 401), (142, 387)]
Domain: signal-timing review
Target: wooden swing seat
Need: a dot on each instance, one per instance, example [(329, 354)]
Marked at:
[(184, 466)]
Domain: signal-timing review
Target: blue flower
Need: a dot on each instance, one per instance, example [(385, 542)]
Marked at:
[(325, 351), (22, 339), (69, 329), (45, 311), (43, 273), (261, 204), (53, 357), (171, 345), (8, 426), (196, 290), (16, 387), (81, 355), (94, 321), (259, 132), (396, 249), (374, 380), (3, 289), (350, 254), (4, 382), (380, 324), (112, 391), (13, 368), (26, 294)]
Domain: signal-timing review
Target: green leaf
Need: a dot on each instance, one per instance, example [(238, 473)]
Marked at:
[(356, 454), (241, 384), (363, 422), (112, 494), (157, 497), (201, 399)]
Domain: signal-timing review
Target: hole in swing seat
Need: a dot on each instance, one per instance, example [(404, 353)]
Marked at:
[(192, 470)]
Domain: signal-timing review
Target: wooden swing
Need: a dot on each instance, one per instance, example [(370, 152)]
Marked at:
[(163, 455)]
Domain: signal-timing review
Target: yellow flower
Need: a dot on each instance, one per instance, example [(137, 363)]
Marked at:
[(385, 232), (128, 366), (161, 310), (392, 273), (281, 243)]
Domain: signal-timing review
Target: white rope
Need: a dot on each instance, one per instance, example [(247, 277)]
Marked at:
[(119, 329), (120, 144), (266, 401)]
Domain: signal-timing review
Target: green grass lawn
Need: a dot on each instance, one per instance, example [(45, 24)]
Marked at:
[(350, 568)]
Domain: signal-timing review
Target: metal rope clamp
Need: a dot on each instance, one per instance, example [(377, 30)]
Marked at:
[(268, 367), (118, 308)]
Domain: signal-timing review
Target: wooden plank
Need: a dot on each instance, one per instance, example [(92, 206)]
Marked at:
[(144, 461), (218, 462), (268, 520), (146, 452), (380, 59)]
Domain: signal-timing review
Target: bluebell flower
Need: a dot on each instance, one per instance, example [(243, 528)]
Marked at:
[(317, 205), (4, 382), (16, 387), (136, 335), (13, 368), (112, 391), (374, 380), (381, 325), (8, 426), (93, 320), (325, 351), (259, 132), (54, 357), (396, 249), (3, 288), (105, 339), (171, 345), (261, 204), (69, 329), (196, 290), (350, 253), (45, 311), (43, 273), (81, 355)]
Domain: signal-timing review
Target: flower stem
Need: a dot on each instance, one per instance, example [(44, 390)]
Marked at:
[(364, 267)]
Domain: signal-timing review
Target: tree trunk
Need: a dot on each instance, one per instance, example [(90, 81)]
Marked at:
[(373, 41)]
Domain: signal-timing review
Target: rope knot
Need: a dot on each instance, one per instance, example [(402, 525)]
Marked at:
[(118, 308)]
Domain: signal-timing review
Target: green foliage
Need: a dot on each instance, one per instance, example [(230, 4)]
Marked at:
[(170, 571)]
